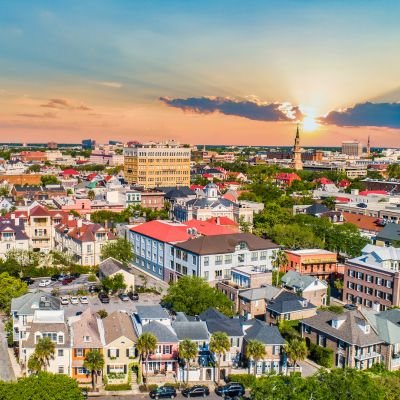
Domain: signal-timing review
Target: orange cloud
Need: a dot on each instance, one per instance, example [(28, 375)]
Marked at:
[(63, 104)]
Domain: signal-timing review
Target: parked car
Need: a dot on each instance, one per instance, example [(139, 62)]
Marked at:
[(64, 300), (74, 300), (124, 297), (84, 300), (196, 391), (66, 281), (61, 277), (93, 289), (133, 296), (103, 297), (44, 282), (56, 277), (231, 389), (362, 205), (78, 313), (350, 307), (163, 392), (28, 280)]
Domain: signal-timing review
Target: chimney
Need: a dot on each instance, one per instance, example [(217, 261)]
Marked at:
[(79, 223), (218, 221), (70, 217), (13, 216), (16, 221)]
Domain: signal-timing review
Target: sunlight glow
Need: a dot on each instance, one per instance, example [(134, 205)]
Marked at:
[(309, 121)]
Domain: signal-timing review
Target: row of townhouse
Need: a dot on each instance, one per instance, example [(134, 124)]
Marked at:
[(358, 338), (38, 315), (40, 229), (169, 250)]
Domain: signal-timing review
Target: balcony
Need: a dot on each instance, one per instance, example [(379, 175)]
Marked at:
[(366, 356)]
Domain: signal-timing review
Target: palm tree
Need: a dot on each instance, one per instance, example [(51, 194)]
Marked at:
[(94, 363), (219, 345), (188, 350), (296, 350), (255, 350), (91, 195), (146, 344), (34, 365), (279, 259), (44, 351)]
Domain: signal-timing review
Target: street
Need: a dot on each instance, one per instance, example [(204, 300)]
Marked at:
[(6, 371), (146, 396)]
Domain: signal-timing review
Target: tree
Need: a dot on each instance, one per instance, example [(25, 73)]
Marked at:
[(219, 345), (43, 386), (329, 202), (34, 168), (34, 364), (279, 260), (193, 295), (296, 350), (10, 288), (44, 352), (119, 249), (187, 351), (94, 363), (102, 313), (145, 345), (49, 180), (244, 225), (114, 284), (91, 195), (295, 236), (255, 350)]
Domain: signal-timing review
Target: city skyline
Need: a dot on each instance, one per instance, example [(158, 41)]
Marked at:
[(223, 72)]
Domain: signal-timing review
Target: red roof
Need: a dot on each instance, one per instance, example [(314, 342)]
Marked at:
[(363, 222), (194, 187), (39, 211), (342, 199), (324, 181), (344, 183), (230, 196), (91, 176), (287, 176), (70, 171), (207, 176), (367, 192), (222, 221), (207, 228)]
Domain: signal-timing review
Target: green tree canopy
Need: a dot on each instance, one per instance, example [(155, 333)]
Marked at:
[(219, 345), (10, 287), (49, 180), (193, 295), (255, 350), (44, 386), (145, 345), (188, 350), (120, 249), (114, 284), (94, 363)]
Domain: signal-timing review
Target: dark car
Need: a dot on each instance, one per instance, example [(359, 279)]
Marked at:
[(93, 289), (196, 391), (57, 277), (362, 205), (350, 307), (103, 297), (133, 296), (231, 389), (76, 275), (67, 280), (163, 392), (28, 280)]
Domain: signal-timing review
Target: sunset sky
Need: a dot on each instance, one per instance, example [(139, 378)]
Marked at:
[(217, 72)]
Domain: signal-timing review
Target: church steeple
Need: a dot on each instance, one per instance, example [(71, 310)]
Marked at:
[(369, 146), (297, 164)]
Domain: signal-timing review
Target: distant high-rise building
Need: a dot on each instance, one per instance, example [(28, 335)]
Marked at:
[(297, 164), (352, 148), (157, 164), (88, 144)]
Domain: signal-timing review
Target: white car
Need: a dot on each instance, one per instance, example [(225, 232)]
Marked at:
[(64, 300), (74, 300), (84, 300), (44, 282)]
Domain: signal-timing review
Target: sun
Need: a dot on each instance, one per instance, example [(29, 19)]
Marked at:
[(309, 124), (309, 121)]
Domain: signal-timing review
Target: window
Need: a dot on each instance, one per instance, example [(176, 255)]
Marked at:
[(254, 256), (351, 273), (379, 281), (60, 353), (218, 260), (307, 329), (194, 260), (60, 339), (389, 284), (370, 278), (321, 340), (276, 350), (263, 255), (218, 273), (206, 275), (82, 371), (241, 258), (206, 261), (167, 349), (79, 352), (228, 259), (86, 338), (60, 369)]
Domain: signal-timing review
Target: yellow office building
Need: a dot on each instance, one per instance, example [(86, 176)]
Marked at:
[(157, 164)]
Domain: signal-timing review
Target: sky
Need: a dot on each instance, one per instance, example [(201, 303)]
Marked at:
[(214, 72)]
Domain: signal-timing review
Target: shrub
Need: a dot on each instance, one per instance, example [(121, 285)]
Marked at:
[(246, 380), (321, 355), (102, 313), (148, 388), (333, 308), (116, 388), (92, 278)]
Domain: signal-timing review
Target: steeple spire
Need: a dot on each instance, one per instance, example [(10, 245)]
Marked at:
[(297, 164)]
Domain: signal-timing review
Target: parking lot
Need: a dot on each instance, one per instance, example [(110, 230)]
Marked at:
[(79, 283)]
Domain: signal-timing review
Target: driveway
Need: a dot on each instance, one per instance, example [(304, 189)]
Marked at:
[(6, 371)]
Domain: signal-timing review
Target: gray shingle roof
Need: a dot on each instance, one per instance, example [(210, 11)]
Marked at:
[(163, 333), (267, 292), (287, 302), (30, 302), (218, 322), (387, 324), (296, 280), (349, 331), (151, 312), (111, 266), (389, 232), (193, 330), (264, 333)]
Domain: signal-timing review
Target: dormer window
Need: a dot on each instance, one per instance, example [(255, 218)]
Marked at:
[(86, 339), (337, 323), (367, 328)]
